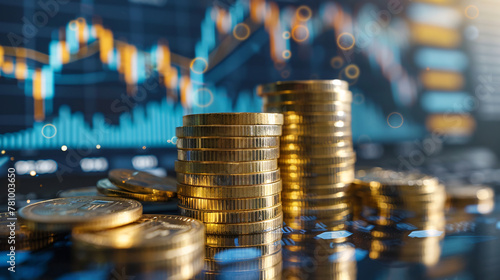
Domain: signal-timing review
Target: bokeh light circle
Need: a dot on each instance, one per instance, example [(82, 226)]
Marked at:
[(44, 132), (198, 92), (286, 35), (471, 11), (352, 71), (393, 116), (300, 33), (197, 61), (241, 31), (344, 37), (303, 13), (337, 62), (286, 54)]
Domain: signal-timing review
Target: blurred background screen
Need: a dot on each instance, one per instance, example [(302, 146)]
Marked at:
[(86, 86)]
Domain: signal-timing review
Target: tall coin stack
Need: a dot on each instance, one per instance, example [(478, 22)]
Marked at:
[(316, 152), (228, 178)]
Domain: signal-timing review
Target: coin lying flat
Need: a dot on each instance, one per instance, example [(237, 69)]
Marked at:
[(253, 203), (107, 188), (149, 232), (227, 143), (81, 212), (229, 180), (230, 192), (197, 167), (301, 97), (232, 217), (228, 155), (302, 86), (228, 131), (308, 107), (232, 119), (143, 182), (245, 228), (172, 244)]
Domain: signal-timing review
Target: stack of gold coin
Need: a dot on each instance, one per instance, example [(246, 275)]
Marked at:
[(388, 196), (407, 211), (316, 151), (137, 185), (162, 246), (473, 199), (228, 178)]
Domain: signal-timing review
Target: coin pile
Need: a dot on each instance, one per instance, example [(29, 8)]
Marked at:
[(387, 194), (407, 211), (228, 178), (316, 151), (161, 246), (137, 185)]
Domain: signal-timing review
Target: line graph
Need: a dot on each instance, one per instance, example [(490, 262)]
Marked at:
[(229, 38)]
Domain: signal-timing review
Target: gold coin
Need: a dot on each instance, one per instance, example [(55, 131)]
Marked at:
[(316, 169), (234, 155), (314, 192), (316, 188), (154, 232), (307, 97), (149, 239), (318, 211), (401, 182), (229, 180), (316, 140), (246, 240), (232, 192), (228, 131), (263, 249), (80, 212), (240, 260), (317, 172), (246, 228), (104, 186), (263, 274), (197, 167), (232, 217), (313, 222), (340, 177), (233, 119), (315, 117), (229, 204), (344, 157), (323, 200), (308, 107), (228, 143), (316, 151), (142, 182), (302, 86), (321, 129)]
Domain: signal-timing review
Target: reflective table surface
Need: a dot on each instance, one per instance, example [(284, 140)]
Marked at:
[(460, 243)]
